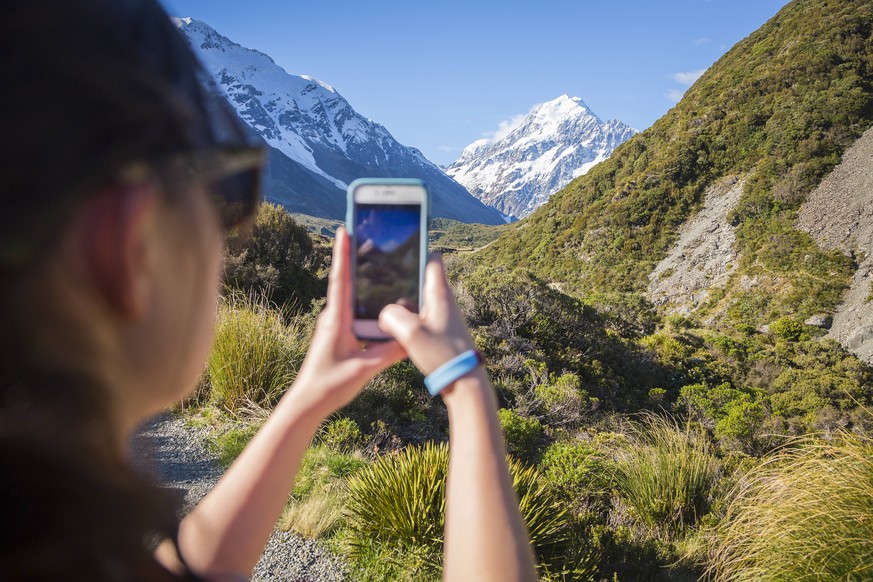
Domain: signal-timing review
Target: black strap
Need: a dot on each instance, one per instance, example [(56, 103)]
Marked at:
[(193, 577)]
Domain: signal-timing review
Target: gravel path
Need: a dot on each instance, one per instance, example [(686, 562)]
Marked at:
[(176, 455)]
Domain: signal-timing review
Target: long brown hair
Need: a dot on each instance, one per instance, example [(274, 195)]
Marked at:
[(89, 86)]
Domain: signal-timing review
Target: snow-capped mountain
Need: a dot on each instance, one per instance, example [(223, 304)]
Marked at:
[(557, 141), (318, 142)]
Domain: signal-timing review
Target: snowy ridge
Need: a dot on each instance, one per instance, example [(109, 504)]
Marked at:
[(285, 109), (555, 142), (309, 122)]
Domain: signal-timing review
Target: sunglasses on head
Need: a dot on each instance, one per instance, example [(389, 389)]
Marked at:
[(233, 176)]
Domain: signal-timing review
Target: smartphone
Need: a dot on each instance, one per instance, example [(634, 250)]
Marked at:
[(387, 220)]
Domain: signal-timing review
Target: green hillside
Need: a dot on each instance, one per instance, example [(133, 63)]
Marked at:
[(646, 445), (780, 106)]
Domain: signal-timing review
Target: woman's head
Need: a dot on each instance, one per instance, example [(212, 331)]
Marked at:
[(113, 154), (90, 87)]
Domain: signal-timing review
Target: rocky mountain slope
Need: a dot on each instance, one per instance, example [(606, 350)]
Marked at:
[(318, 142), (703, 257), (556, 142), (779, 110), (839, 215)]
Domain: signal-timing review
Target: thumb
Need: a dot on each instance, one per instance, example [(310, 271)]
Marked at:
[(399, 322)]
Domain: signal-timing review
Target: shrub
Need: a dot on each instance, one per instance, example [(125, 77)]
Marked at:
[(399, 501), (397, 399), (255, 355), (278, 259), (804, 514), (732, 414), (630, 315), (582, 473), (523, 435), (665, 475), (562, 400), (673, 350), (788, 329), (746, 329), (677, 322), (342, 434), (741, 421)]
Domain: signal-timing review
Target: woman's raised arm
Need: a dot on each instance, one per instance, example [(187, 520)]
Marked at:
[(485, 538)]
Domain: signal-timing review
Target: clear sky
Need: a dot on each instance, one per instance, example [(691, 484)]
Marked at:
[(439, 75)]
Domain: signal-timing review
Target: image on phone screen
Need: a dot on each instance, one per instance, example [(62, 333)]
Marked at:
[(388, 257)]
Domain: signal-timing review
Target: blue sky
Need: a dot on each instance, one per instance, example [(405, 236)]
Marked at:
[(439, 75), (387, 225)]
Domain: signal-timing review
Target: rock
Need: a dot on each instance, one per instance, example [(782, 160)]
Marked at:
[(861, 337), (822, 321)]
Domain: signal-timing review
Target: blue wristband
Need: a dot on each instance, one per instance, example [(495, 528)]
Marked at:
[(449, 372)]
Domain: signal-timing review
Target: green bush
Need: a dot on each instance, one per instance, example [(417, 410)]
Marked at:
[(582, 473), (255, 355), (732, 414), (523, 435), (342, 434), (278, 258), (804, 514), (563, 401), (666, 476), (788, 329), (399, 501), (742, 420), (396, 401), (630, 315)]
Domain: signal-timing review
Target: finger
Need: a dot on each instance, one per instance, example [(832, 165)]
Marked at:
[(383, 354), (436, 286), (339, 285), (399, 322)]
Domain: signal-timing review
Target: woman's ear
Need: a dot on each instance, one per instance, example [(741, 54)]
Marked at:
[(118, 234)]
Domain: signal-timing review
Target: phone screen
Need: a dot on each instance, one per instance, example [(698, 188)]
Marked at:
[(388, 257)]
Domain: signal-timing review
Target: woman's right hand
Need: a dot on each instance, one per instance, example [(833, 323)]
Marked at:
[(438, 333)]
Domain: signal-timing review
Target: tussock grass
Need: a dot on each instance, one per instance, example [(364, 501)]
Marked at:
[(399, 502), (317, 505), (803, 514), (255, 354), (666, 475), (401, 498), (317, 515)]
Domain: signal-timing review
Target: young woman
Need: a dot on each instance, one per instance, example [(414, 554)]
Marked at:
[(120, 174)]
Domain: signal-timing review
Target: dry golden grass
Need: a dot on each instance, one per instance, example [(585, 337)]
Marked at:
[(804, 514)]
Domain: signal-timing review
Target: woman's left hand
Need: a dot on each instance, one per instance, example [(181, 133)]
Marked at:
[(338, 365)]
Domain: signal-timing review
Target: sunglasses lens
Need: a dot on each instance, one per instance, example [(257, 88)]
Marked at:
[(236, 197)]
